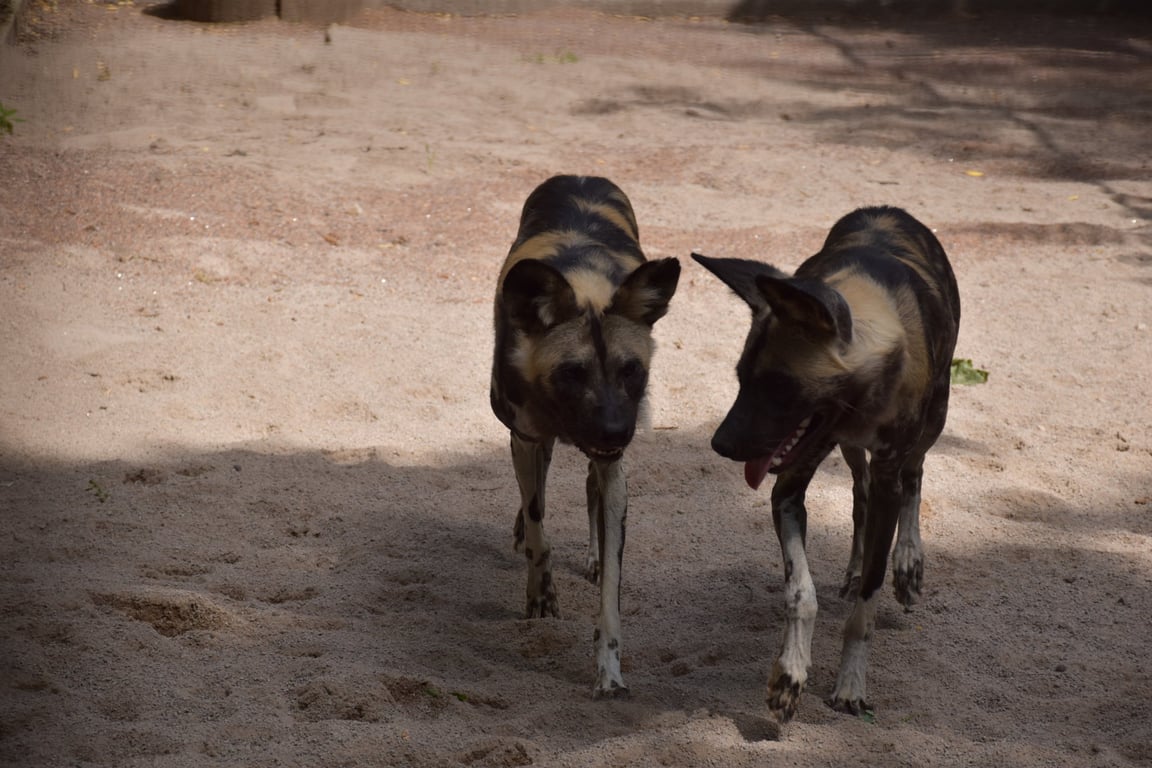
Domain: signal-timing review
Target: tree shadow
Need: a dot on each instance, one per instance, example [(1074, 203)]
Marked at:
[(222, 601), (1044, 90)]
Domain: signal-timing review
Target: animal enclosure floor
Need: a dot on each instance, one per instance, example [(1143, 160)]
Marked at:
[(256, 510)]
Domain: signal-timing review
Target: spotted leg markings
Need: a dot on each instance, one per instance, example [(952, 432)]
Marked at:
[(790, 670), (541, 600), (907, 574), (541, 592), (531, 461), (783, 694), (908, 553), (606, 639), (609, 683)]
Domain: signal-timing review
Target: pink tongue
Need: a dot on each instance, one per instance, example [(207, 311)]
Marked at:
[(756, 470)]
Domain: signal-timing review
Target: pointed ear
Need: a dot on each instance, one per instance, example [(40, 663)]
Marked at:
[(810, 304), (644, 295), (536, 296), (740, 275)]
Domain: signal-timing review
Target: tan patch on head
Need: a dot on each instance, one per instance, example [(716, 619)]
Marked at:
[(536, 357), (592, 287), (626, 339), (612, 214), (543, 247)]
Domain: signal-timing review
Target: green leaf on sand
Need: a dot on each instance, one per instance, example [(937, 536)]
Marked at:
[(963, 372)]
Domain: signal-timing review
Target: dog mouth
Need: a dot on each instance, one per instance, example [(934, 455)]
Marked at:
[(783, 456), (601, 454)]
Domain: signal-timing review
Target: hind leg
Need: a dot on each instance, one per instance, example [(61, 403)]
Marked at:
[(857, 460), (884, 500), (531, 461), (908, 554)]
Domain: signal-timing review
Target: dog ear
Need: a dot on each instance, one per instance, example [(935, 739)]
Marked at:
[(740, 275), (536, 296), (644, 295), (810, 304)]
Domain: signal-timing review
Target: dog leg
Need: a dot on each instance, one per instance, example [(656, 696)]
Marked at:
[(908, 554), (531, 461), (857, 461), (595, 516), (884, 496), (613, 492), (518, 531), (790, 670)]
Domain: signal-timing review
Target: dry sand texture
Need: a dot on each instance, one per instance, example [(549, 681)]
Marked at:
[(256, 510)]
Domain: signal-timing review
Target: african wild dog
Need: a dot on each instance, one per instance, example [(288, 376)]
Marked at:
[(855, 350), (575, 306)]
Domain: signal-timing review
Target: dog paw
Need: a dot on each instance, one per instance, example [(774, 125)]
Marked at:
[(611, 689), (542, 607), (854, 707), (784, 697), (907, 581)]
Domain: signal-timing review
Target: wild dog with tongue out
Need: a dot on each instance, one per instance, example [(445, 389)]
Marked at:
[(575, 306), (853, 350)]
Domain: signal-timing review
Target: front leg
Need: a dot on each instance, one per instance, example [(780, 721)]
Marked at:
[(908, 554), (595, 522), (613, 492), (790, 670), (531, 461)]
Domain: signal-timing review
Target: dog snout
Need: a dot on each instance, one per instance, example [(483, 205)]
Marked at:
[(731, 437), (721, 443), (616, 434)]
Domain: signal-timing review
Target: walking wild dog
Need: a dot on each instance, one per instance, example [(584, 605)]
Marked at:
[(854, 349), (575, 306)]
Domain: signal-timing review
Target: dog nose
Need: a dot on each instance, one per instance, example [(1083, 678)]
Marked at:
[(727, 439), (721, 445), (616, 434)]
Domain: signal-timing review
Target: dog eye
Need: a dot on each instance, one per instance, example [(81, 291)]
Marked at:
[(570, 376), (632, 374)]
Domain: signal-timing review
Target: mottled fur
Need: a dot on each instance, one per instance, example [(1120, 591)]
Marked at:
[(853, 349), (575, 306)]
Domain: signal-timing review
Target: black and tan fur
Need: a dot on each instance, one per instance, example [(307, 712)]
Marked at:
[(575, 306), (855, 350)]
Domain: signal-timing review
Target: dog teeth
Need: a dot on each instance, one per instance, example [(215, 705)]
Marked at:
[(792, 442)]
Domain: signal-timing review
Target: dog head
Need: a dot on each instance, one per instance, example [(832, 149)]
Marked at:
[(801, 371), (582, 350)]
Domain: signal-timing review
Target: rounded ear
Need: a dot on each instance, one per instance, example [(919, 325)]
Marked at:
[(644, 294), (813, 306), (536, 296)]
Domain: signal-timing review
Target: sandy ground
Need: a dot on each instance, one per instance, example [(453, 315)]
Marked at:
[(256, 510)]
